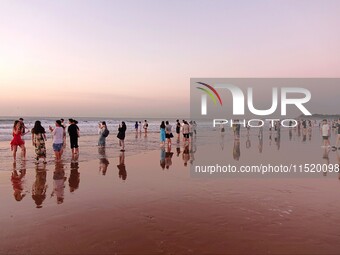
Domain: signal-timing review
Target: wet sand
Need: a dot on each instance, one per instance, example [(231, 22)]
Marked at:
[(147, 201), (156, 211)]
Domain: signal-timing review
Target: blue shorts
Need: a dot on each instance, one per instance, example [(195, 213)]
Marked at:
[(57, 146)]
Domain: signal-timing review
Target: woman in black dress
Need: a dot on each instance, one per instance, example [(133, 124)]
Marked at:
[(121, 135)]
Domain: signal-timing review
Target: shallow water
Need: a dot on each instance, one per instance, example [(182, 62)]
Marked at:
[(147, 202)]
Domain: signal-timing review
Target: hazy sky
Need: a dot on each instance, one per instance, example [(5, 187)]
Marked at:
[(136, 58)]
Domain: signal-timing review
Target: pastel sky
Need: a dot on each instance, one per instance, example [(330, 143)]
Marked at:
[(135, 58)]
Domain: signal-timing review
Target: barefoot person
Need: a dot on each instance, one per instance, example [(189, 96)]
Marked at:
[(325, 133), (103, 133), (178, 130), (145, 126), (58, 135), (121, 135), (162, 133), (38, 141), (168, 133), (17, 140), (73, 131)]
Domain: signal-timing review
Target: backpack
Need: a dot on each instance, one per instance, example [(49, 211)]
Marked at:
[(106, 132)]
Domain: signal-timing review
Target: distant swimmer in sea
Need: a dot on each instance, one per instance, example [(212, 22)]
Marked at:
[(17, 140)]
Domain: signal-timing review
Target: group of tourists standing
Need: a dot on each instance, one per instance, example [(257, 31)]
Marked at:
[(39, 138), (186, 128)]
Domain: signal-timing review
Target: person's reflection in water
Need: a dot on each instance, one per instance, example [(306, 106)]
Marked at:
[(162, 158), (278, 139), (17, 179), (290, 134), (310, 134), (178, 148), (222, 140), (122, 169), (260, 146), (59, 182), (304, 136), (186, 155), (74, 179), (236, 149), (39, 187), (325, 156), (103, 161), (248, 142), (168, 157), (192, 151)]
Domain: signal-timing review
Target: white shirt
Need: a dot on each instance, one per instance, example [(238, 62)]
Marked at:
[(58, 135), (325, 129)]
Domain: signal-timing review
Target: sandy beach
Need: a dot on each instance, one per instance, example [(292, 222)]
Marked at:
[(141, 208)]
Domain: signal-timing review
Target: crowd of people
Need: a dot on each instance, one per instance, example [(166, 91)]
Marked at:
[(60, 131), (39, 139)]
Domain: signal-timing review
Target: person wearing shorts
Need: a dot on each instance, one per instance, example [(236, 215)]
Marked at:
[(73, 131), (186, 130), (58, 139), (325, 133)]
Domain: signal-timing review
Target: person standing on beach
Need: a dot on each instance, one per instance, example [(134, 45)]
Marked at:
[(325, 133), (168, 133), (178, 130), (140, 126), (162, 133), (23, 127), (338, 136), (136, 126), (145, 126), (73, 131), (17, 140), (58, 137), (63, 125), (38, 141), (186, 131), (103, 133), (121, 135)]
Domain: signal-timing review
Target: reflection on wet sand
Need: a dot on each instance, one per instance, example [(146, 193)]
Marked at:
[(59, 182), (18, 181), (168, 157), (103, 161), (121, 166), (39, 187), (74, 179), (236, 149)]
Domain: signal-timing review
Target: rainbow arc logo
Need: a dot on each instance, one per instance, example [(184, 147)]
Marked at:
[(212, 93)]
